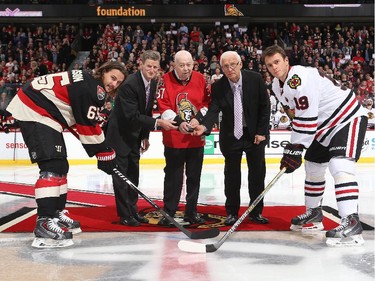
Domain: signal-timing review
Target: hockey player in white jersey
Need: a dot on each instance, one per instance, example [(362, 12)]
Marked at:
[(330, 123)]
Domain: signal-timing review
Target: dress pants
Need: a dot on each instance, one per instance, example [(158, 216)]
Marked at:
[(232, 150), (178, 160), (126, 198)]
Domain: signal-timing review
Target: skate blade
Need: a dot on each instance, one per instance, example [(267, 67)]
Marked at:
[(47, 243), (312, 229), (308, 229), (355, 240)]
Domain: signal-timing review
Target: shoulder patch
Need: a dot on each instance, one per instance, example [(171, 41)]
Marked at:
[(294, 82), (100, 92)]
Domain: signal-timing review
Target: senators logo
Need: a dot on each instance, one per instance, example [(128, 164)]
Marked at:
[(100, 92), (294, 82), (231, 10), (186, 110), (212, 220)]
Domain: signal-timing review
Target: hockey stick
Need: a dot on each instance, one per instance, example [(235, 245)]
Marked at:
[(193, 247), (209, 233)]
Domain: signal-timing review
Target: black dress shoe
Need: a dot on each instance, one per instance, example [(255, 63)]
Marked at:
[(140, 218), (165, 222), (258, 218), (230, 220), (130, 221), (194, 218)]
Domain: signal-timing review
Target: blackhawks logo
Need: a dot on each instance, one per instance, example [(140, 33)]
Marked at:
[(294, 82)]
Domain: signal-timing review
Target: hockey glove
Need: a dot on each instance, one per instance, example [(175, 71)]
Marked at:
[(107, 160), (292, 157)]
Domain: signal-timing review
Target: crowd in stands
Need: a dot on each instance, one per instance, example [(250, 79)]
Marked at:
[(342, 52)]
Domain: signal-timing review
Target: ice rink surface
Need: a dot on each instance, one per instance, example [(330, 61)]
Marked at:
[(145, 256)]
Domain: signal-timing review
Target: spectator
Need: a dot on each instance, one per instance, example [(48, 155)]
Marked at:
[(370, 114), (217, 75), (358, 58), (4, 101), (281, 120), (104, 113)]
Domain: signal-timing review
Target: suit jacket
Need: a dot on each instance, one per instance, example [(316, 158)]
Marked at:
[(130, 120), (256, 106)]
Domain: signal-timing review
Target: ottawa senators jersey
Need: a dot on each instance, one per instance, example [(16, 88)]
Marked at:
[(182, 103), (61, 100), (320, 104)]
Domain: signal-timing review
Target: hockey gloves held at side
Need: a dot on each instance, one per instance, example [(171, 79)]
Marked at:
[(107, 160), (292, 157)]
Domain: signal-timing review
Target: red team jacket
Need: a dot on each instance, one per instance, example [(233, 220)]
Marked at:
[(182, 103)]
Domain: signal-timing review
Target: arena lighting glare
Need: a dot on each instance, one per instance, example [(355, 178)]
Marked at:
[(332, 5)]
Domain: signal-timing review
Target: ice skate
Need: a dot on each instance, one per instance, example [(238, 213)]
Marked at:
[(66, 222), (308, 223), (348, 233), (49, 235)]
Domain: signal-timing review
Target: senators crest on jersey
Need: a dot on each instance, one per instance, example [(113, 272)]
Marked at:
[(294, 82), (186, 110), (100, 92)]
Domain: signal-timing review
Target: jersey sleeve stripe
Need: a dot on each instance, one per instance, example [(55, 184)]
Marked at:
[(301, 125), (305, 118), (304, 132), (90, 134)]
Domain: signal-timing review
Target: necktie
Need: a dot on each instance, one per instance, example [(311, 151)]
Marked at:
[(238, 124), (147, 93)]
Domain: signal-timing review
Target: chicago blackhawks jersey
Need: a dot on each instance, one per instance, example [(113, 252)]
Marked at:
[(182, 103), (62, 100), (321, 105)]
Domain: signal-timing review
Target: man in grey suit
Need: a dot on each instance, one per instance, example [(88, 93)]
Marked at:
[(242, 98), (128, 130)]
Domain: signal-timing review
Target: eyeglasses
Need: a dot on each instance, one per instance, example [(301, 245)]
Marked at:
[(230, 66)]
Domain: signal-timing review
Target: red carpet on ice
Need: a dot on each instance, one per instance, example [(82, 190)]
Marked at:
[(101, 215)]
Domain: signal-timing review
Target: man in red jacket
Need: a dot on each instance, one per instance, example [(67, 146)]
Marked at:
[(182, 98)]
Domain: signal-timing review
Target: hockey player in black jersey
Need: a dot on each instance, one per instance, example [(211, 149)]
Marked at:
[(44, 107)]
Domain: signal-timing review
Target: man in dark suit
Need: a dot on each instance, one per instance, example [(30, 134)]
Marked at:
[(244, 128), (129, 126)]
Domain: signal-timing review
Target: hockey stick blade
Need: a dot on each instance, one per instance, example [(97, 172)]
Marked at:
[(194, 247), (204, 234)]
